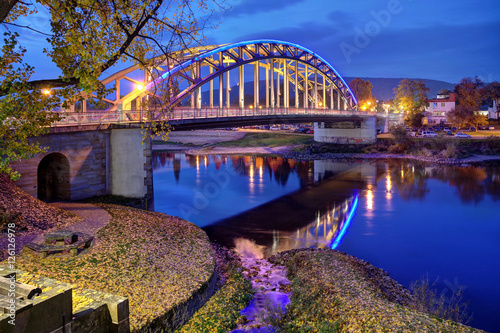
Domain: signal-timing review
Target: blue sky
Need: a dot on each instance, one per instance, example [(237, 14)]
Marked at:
[(443, 40)]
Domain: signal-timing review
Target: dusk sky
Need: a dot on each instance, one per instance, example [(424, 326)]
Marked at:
[(443, 40)]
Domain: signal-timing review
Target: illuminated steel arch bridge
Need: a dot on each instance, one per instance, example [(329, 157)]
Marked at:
[(297, 81)]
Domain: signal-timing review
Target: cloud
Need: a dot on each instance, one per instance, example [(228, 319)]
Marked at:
[(252, 7)]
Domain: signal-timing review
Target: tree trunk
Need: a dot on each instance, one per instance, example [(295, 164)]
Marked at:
[(5, 8)]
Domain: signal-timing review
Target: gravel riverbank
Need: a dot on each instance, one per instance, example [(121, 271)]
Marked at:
[(429, 159)]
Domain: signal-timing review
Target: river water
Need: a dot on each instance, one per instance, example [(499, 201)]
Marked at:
[(412, 220)]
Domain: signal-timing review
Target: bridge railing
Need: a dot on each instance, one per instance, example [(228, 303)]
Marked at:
[(141, 116)]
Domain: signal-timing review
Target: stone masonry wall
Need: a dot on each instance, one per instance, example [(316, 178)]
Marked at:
[(87, 153)]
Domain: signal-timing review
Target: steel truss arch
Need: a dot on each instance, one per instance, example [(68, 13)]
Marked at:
[(224, 58)]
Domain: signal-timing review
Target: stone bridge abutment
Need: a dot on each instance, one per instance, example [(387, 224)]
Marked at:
[(84, 162)]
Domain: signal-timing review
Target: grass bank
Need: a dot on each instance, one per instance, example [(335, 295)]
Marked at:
[(429, 147), (265, 139), (334, 292), (155, 260), (222, 312)]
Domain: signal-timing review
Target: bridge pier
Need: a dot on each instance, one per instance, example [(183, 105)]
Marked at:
[(130, 164), (357, 131)]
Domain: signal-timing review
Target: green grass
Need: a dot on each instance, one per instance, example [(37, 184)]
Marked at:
[(168, 142), (268, 140), (222, 312)]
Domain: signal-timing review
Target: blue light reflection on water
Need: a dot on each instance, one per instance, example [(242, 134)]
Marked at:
[(342, 232)]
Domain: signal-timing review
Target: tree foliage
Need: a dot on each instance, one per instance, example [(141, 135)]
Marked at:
[(492, 93), (87, 38), (470, 94), (362, 89), (411, 98)]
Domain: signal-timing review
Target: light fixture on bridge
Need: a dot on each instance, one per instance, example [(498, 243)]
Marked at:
[(46, 91), (251, 106), (139, 86), (320, 104)]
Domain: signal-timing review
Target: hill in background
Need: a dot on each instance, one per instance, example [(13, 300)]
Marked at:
[(383, 87)]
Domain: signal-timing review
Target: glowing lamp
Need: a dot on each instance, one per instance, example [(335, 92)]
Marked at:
[(46, 92), (139, 86)]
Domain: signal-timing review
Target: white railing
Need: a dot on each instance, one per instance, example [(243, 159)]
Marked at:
[(140, 116)]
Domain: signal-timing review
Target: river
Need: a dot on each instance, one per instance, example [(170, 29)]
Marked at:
[(410, 219)]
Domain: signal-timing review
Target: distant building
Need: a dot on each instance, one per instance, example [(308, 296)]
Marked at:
[(493, 112), (438, 108)]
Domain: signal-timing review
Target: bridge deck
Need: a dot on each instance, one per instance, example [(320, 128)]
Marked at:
[(188, 118)]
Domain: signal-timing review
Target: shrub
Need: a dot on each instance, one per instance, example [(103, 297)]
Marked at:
[(399, 132), (491, 145), (7, 217), (426, 299)]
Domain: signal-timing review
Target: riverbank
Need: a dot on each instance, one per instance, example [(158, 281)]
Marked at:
[(301, 147), (164, 265)]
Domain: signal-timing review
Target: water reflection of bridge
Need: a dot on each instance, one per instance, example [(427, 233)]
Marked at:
[(314, 216)]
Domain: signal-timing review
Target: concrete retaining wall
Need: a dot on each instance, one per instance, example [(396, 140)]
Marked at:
[(361, 131), (52, 311)]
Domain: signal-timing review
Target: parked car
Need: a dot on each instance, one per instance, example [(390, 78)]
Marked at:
[(454, 128), (449, 133), (428, 134), (446, 129), (275, 128), (472, 129), (462, 135), (491, 128), (310, 131)]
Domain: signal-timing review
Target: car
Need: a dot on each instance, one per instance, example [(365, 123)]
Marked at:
[(491, 128), (428, 134), (449, 133), (310, 131), (472, 129), (454, 128), (462, 135), (446, 129), (275, 128)]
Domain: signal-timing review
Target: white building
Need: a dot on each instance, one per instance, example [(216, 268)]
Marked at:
[(438, 108), (493, 112)]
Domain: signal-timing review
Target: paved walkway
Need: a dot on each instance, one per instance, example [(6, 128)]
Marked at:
[(93, 217)]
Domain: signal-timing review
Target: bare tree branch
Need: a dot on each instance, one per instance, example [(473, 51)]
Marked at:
[(28, 27)]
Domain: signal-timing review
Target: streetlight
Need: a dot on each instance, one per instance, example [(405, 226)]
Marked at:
[(46, 91), (139, 86)]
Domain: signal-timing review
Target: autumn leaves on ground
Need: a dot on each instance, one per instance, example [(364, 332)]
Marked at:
[(159, 261)]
